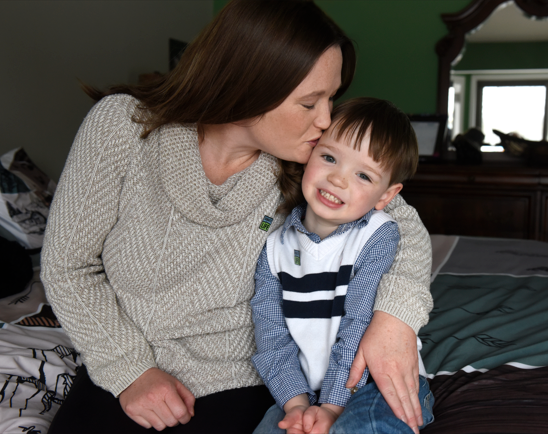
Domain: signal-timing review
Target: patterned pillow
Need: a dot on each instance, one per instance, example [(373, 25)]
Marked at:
[(25, 197)]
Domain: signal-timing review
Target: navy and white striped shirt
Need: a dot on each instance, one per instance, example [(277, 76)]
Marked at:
[(278, 356)]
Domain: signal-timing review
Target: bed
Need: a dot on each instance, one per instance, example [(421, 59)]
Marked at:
[(37, 360), (485, 348)]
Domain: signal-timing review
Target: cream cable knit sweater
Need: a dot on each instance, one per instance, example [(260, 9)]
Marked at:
[(148, 264)]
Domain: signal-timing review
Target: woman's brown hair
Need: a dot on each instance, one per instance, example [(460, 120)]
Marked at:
[(246, 62)]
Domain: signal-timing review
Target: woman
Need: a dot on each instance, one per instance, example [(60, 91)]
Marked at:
[(166, 200)]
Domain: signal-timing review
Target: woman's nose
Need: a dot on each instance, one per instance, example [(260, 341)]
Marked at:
[(323, 120)]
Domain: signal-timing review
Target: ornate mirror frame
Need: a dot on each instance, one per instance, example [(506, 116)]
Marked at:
[(459, 24)]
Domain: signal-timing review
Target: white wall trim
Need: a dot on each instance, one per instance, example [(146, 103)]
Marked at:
[(496, 75), (499, 71)]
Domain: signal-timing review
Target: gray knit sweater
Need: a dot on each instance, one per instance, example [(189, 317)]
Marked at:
[(146, 263)]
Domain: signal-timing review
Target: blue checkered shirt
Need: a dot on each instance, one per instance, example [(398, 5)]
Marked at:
[(277, 359)]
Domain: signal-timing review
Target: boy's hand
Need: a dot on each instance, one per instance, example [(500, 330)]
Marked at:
[(293, 420), (389, 349), (294, 411), (157, 399), (318, 420)]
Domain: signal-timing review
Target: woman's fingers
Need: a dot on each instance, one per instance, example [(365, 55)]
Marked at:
[(399, 384), (356, 370), (177, 409), (389, 349), (151, 420), (417, 409), (187, 397), (402, 400), (164, 417), (142, 421)]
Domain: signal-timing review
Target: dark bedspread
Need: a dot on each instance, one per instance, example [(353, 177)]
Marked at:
[(486, 345)]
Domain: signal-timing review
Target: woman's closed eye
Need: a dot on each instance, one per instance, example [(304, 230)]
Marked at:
[(312, 106)]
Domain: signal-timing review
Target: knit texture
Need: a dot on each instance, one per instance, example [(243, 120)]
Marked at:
[(405, 291), (147, 264)]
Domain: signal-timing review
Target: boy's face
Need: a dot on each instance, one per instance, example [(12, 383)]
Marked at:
[(341, 184)]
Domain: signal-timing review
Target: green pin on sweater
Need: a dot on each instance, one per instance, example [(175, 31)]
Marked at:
[(265, 224)]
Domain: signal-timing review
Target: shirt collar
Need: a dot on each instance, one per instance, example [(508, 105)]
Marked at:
[(296, 216)]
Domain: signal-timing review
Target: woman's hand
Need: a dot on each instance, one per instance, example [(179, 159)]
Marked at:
[(389, 349), (157, 399)]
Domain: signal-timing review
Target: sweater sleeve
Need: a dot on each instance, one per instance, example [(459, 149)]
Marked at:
[(404, 291), (83, 212)]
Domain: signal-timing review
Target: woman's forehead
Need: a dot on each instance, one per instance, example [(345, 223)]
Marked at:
[(324, 77)]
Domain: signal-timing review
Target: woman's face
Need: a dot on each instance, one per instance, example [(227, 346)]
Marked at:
[(292, 129)]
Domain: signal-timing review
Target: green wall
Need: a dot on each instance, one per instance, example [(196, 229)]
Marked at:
[(395, 40), (504, 55)]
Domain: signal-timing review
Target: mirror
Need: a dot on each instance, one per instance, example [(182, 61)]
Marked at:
[(486, 60)]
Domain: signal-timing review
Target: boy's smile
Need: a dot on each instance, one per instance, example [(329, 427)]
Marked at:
[(341, 184), (329, 199)]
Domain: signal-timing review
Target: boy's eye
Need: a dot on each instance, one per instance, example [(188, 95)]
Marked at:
[(364, 177), (328, 158)]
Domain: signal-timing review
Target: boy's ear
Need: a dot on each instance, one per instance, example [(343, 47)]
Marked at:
[(388, 195)]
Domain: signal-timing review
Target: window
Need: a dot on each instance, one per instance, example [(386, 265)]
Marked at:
[(512, 107)]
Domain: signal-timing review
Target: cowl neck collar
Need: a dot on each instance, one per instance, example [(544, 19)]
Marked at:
[(186, 184)]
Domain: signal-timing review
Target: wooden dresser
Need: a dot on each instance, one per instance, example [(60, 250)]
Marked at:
[(492, 200)]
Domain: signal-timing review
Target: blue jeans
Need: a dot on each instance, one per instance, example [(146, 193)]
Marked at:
[(366, 413)]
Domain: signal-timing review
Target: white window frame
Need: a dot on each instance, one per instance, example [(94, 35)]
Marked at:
[(458, 115), (499, 75)]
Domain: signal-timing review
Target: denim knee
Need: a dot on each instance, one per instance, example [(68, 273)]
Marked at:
[(269, 424), (426, 398), (367, 412)]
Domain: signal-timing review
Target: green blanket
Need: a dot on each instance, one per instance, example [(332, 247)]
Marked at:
[(490, 307)]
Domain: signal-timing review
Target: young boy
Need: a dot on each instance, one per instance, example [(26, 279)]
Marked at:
[(317, 276)]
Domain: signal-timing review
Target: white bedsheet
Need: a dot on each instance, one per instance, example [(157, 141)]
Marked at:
[(37, 367)]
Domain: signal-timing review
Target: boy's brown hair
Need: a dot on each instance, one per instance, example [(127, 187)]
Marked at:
[(393, 143)]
